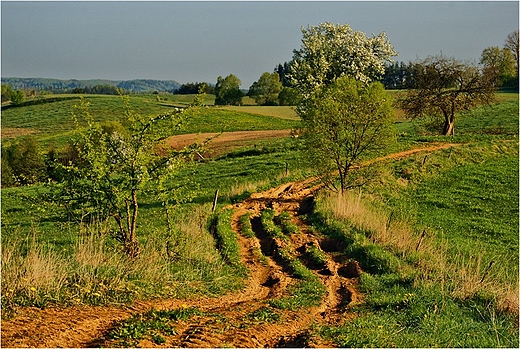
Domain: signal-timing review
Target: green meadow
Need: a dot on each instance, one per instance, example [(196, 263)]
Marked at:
[(436, 235)]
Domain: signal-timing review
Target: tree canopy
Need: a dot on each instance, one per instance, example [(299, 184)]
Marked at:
[(343, 122), (227, 90), (265, 91), (330, 51), (445, 86)]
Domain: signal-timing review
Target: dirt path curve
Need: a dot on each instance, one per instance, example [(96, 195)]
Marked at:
[(227, 322)]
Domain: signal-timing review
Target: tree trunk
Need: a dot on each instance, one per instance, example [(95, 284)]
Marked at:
[(449, 126), (132, 246)]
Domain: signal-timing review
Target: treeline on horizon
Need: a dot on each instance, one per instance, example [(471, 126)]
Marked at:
[(397, 76)]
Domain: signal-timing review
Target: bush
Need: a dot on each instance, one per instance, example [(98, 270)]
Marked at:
[(23, 162)]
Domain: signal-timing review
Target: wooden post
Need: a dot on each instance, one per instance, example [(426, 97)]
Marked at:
[(215, 201), (420, 240), (424, 160)]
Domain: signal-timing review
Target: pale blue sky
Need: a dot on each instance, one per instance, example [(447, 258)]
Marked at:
[(198, 41)]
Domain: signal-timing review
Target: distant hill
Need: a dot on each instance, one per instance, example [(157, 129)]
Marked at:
[(62, 86)]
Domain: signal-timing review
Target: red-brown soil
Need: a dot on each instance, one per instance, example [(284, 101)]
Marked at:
[(220, 143), (86, 326)]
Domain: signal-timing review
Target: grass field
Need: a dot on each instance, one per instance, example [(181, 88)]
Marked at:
[(458, 287), (52, 121)]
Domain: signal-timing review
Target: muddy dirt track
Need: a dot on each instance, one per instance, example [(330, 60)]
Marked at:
[(223, 321)]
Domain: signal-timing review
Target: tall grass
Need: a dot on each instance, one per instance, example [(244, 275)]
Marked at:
[(95, 271), (431, 297), (433, 258)]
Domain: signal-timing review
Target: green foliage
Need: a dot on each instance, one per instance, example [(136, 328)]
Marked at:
[(288, 96), (245, 226), (152, 325), (265, 91), (262, 315), (7, 92), (316, 255), (23, 162), (227, 90), (499, 64), (444, 87), (116, 163), (343, 122), (371, 256), (18, 97), (398, 314), (270, 228), (226, 240), (284, 220)]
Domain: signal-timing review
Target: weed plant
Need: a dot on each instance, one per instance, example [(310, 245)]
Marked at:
[(152, 325), (307, 292), (226, 240), (284, 221), (245, 225), (271, 229)]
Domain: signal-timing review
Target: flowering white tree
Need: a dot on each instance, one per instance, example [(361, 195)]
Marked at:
[(330, 51), (345, 115)]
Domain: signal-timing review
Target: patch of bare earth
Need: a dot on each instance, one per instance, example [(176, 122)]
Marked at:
[(220, 143), (224, 322), (13, 132)]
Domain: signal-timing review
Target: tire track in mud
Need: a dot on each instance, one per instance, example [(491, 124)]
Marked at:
[(226, 320)]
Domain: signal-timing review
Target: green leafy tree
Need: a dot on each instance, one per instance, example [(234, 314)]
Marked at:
[(288, 96), (444, 87), (18, 97), (227, 90), (7, 92), (116, 163), (25, 163), (345, 121), (499, 65), (265, 91), (331, 51)]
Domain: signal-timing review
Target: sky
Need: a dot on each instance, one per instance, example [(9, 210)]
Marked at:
[(196, 41)]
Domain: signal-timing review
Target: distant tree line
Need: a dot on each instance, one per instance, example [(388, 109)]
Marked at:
[(100, 90), (192, 88), (67, 86)]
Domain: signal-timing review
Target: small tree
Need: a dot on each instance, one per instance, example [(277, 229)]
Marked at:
[(512, 44), (18, 97), (265, 91), (227, 90), (344, 122), (116, 162), (499, 65), (445, 86), (24, 162)]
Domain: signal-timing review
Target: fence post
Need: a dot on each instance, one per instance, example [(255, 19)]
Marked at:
[(215, 201)]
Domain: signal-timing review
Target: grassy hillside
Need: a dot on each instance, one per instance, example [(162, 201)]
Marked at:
[(457, 286), (50, 119)]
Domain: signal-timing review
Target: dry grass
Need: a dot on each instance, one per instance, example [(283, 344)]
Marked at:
[(461, 276), (97, 272)]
